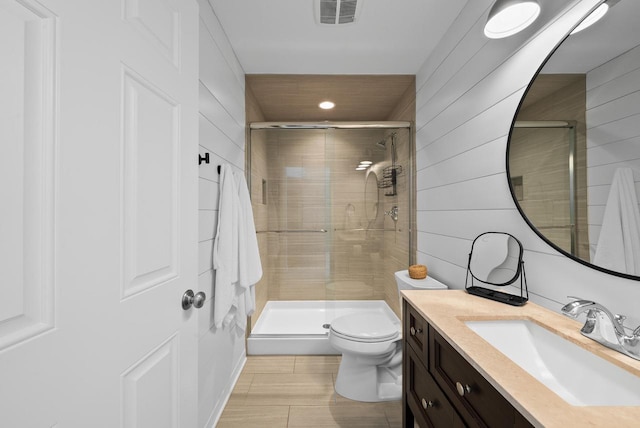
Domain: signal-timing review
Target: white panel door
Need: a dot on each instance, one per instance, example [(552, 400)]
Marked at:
[(98, 214)]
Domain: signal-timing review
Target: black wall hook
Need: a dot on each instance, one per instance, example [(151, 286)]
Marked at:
[(204, 158), (219, 168)]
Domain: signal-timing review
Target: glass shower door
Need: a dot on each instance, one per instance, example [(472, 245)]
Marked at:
[(328, 238)]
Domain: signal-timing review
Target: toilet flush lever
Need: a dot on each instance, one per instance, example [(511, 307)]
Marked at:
[(190, 299)]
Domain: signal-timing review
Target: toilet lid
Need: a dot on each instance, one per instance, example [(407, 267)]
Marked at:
[(365, 326)]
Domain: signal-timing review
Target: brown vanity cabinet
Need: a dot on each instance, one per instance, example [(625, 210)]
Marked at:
[(441, 389)]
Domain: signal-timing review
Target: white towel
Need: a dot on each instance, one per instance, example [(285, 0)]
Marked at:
[(618, 246), (249, 265), (236, 257), (225, 249)]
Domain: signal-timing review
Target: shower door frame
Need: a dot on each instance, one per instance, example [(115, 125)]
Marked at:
[(350, 125), (570, 125)]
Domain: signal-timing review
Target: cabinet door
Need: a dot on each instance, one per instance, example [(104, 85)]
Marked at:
[(478, 402), (415, 331), (429, 405)]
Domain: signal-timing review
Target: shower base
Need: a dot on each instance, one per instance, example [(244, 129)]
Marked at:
[(302, 327)]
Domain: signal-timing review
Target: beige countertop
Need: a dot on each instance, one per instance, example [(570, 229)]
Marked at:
[(447, 310)]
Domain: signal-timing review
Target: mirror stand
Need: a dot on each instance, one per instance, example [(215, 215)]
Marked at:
[(496, 260)]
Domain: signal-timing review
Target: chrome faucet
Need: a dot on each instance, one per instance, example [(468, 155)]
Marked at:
[(604, 327)]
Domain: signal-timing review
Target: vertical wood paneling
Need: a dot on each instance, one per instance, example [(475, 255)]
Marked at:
[(459, 113)]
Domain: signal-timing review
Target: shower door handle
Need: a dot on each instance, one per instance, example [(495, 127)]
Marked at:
[(190, 299)]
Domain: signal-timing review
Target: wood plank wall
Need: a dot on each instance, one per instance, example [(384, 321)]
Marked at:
[(221, 352), (467, 95)]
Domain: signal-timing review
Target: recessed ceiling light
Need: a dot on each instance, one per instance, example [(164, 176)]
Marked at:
[(326, 105), (365, 162), (361, 168), (508, 17)]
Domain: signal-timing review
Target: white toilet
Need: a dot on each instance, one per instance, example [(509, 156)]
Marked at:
[(371, 348), (405, 282)]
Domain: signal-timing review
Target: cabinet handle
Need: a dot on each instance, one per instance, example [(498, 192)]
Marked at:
[(426, 404), (415, 331), (466, 389)]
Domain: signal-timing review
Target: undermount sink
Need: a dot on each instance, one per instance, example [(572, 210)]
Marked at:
[(580, 377)]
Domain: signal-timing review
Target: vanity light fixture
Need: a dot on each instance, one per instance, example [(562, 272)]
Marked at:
[(326, 105), (593, 17), (508, 17)]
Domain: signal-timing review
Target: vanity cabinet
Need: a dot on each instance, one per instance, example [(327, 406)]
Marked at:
[(441, 389)]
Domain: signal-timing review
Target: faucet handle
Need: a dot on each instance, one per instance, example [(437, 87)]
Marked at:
[(620, 319)]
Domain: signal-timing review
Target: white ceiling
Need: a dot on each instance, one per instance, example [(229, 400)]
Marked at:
[(282, 36)]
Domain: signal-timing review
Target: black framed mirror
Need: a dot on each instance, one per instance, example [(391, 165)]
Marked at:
[(576, 130)]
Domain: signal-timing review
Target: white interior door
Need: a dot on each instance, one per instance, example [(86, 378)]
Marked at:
[(98, 193)]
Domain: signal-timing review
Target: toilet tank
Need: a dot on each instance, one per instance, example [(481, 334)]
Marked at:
[(405, 282)]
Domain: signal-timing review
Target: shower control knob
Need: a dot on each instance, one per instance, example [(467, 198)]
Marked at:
[(190, 299)]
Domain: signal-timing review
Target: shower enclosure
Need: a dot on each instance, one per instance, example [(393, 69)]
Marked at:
[(552, 193), (332, 206)]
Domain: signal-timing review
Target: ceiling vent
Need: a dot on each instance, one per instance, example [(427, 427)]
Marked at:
[(336, 11)]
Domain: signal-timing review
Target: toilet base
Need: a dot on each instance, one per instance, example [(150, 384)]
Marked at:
[(360, 381)]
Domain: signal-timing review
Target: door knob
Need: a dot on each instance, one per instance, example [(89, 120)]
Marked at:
[(196, 300)]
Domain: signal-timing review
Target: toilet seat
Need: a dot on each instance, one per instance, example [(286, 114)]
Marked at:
[(367, 327)]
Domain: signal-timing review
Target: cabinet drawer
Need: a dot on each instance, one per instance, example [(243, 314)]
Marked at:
[(479, 403), (415, 331), (429, 405)]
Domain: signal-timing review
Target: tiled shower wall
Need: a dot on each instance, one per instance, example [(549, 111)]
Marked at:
[(541, 158), (311, 185)]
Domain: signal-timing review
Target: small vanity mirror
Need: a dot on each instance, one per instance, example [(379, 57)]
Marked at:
[(496, 260)]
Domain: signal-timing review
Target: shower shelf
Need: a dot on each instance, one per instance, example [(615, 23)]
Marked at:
[(389, 175)]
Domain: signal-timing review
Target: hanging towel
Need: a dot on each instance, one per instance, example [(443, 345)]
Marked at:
[(249, 265), (225, 249), (618, 246)]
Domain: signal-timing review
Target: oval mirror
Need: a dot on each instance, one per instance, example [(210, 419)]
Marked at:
[(573, 157), (371, 196)]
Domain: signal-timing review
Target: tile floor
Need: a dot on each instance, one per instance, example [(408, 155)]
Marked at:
[(297, 391)]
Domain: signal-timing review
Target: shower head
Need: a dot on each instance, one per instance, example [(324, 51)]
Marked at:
[(382, 144)]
